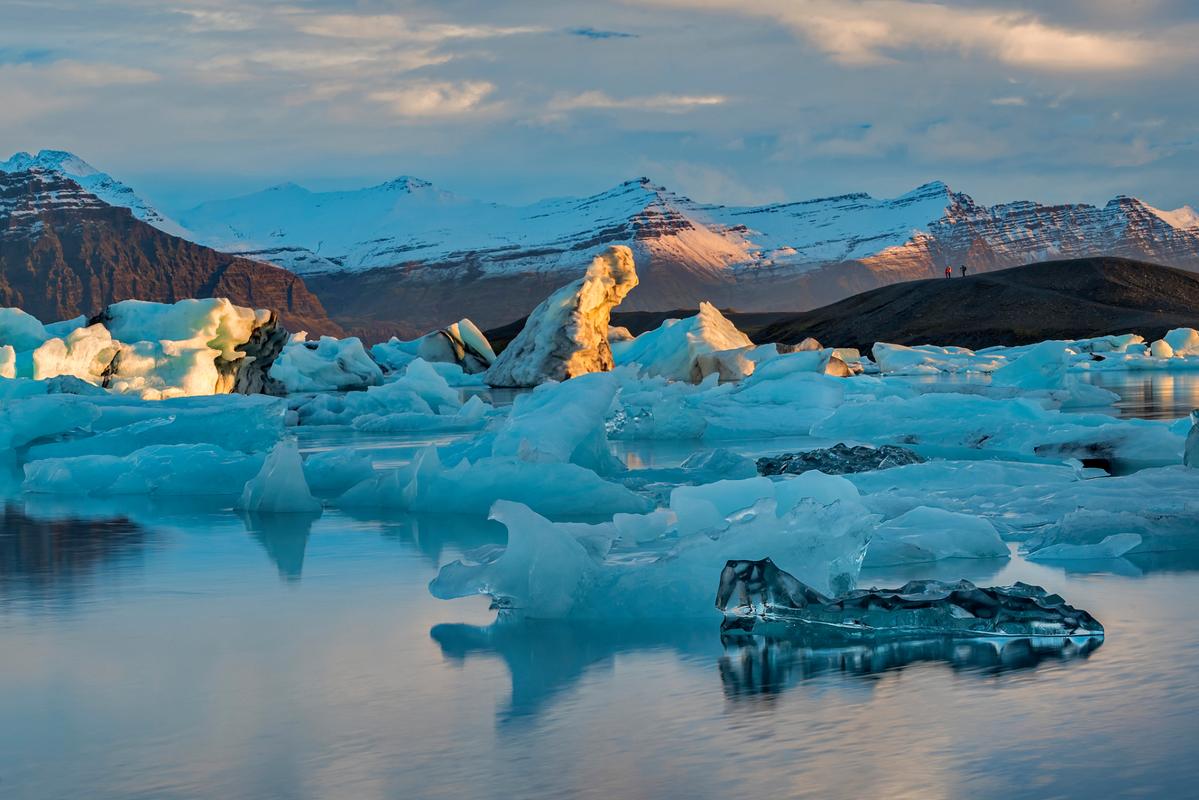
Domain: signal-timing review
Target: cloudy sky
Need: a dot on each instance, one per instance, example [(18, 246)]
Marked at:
[(737, 101)]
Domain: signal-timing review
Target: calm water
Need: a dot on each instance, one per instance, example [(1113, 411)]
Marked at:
[(173, 651)]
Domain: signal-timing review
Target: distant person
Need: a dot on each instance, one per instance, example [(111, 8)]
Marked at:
[(948, 271), (963, 270)]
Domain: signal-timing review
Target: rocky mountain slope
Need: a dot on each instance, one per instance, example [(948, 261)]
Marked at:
[(1071, 299), (65, 252)]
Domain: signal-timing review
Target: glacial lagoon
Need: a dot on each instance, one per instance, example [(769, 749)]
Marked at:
[(167, 649)]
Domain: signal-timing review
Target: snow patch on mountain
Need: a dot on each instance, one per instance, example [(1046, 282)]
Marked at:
[(100, 184)]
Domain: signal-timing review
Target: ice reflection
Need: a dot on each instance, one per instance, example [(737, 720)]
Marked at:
[(285, 539), (755, 665), (548, 658)]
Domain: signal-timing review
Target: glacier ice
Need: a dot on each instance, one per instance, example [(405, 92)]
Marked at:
[(756, 595), (930, 534), (280, 486), (955, 425), (1112, 546), (549, 570), (567, 334), (470, 487), (152, 350), (840, 459), (171, 469), (690, 349), (331, 472), (461, 343), (327, 364)]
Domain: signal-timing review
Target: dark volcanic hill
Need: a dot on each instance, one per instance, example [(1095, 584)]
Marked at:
[(1071, 299), (64, 252)]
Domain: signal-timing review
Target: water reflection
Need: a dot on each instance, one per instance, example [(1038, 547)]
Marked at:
[(754, 665), (1150, 395), (285, 539), (40, 558), (546, 658)]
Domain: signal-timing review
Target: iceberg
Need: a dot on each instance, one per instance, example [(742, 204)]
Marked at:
[(567, 334), (461, 343), (325, 365), (896, 359), (471, 487), (840, 459), (931, 534), (955, 425), (173, 469), (757, 595), (556, 570), (152, 350), (1190, 455), (280, 486), (690, 349), (1114, 546), (331, 472)]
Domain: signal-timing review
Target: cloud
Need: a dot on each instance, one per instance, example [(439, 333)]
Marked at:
[(671, 103), (871, 32), (592, 33), (434, 98), (1009, 101), (397, 28)]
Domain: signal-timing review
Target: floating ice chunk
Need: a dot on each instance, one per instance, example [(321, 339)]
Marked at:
[(562, 422), (555, 489), (326, 365), (120, 425), (955, 424), (21, 331), (567, 334), (690, 349), (471, 417), (1161, 349), (930, 534), (86, 353), (179, 469), (27, 420), (1190, 455), (1045, 368), (707, 506), (754, 593), (1183, 341), (213, 322), (332, 472), (546, 572), (280, 486), (461, 343), (840, 459), (1112, 546), (899, 360)]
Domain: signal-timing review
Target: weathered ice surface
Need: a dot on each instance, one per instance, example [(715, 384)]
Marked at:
[(690, 349), (1190, 455), (840, 459), (567, 335), (461, 343), (753, 592), (153, 350)]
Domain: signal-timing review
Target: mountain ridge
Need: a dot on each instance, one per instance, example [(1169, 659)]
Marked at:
[(404, 256), (65, 252)]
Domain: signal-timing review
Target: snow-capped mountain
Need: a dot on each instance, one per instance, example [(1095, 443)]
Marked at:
[(97, 183), (407, 248), (64, 252), (405, 256)]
